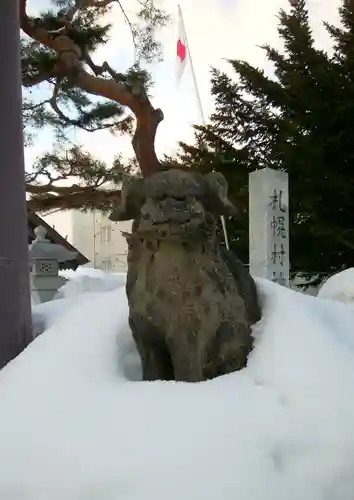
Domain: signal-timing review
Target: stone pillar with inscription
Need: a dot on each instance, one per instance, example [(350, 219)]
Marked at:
[(269, 225)]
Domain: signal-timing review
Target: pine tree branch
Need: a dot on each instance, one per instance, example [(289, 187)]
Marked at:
[(83, 4), (50, 188), (45, 183), (147, 118), (70, 64), (53, 101), (345, 242), (69, 197), (30, 81), (336, 233), (31, 28), (32, 107)]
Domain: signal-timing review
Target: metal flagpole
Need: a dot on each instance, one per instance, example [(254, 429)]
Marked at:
[(192, 67), (223, 222)]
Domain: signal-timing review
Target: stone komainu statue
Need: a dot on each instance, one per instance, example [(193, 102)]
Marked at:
[(191, 302)]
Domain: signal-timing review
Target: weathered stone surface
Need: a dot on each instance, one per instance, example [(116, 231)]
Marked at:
[(192, 303)]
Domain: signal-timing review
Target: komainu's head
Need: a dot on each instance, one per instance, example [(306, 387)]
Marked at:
[(174, 203)]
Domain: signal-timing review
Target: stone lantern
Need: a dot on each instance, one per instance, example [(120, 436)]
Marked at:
[(45, 258)]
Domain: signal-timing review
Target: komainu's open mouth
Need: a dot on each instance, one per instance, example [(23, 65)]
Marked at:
[(170, 226)]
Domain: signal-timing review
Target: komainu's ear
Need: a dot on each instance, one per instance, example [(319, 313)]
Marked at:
[(131, 201), (218, 202)]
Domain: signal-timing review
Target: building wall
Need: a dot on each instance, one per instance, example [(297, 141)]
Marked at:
[(101, 240), (61, 221), (95, 236), (82, 232)]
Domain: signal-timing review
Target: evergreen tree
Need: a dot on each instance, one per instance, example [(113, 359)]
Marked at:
[(298, 120), (64, 89)]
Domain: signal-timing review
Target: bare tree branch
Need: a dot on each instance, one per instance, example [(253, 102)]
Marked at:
[(130, 27)]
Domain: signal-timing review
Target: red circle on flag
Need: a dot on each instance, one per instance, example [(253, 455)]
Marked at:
[(181, 50)]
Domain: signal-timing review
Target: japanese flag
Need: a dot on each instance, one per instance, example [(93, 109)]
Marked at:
[(181, 47)]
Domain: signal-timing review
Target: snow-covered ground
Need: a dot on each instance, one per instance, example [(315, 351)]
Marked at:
[(77, 424), (339, 287)]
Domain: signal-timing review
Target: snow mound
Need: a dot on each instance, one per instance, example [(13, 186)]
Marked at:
[(339, 287), (76, 423), (84, 271), (83, 280), (89, 280)]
